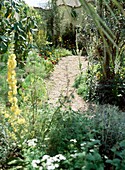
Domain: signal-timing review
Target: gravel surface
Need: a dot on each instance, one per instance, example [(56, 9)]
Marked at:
[(60, 83)]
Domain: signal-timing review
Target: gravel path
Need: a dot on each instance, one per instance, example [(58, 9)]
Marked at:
[(60, 83)]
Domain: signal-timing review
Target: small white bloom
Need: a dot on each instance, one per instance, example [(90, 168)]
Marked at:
[(61, 157), (50, 167), (56, 165), (74, 155), (45, 157), (35, 162), (22, 79), (73, 140), (83, 144), (32, 142), (46, 139), (75, 151), (49, 161), (56, 159), (40, 168)]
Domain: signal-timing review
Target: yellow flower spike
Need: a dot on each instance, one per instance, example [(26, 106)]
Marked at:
[(15, 100), (17, 112), (11, 78), (13, 108), (12, 57), (15, 91), (15, 117), (12, 62), (13, 73), (10, 98), (10, 93), (21, 121)]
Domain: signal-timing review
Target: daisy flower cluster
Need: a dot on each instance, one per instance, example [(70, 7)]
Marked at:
[(48, 162)]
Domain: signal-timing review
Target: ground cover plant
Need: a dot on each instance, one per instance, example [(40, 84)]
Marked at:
[(36, 135)]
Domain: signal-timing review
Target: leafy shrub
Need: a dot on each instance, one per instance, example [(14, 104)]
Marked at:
[(9, 148), (32, 88), (86, 82), (54, 54), (118, 161), (36, 64), (41, 39), (103, 127), (62, 52), (66, 125), (92, 86), (87, 157), (108, 127), (111, 91), (81, 85)]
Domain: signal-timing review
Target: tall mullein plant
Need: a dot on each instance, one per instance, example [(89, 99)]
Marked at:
[(14, 117), (11, 78)]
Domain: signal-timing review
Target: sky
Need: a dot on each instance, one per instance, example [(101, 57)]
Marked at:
[(36, 2)]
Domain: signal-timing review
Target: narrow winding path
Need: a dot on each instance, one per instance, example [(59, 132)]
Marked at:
[(61, 81)]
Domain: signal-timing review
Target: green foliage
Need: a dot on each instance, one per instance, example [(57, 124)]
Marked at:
[(31, 151), (65, 125), (104, 26), (92, 86), (6, 19), (119, 159), (3, 140), (37, 65), (53, 54), (3, 86), (74, 13), (41, 39), (64, 139), (23, 32), (109, 123), (62, 52), (86, 36), (17, 27), (85, 140), (112, 91), (86, 82), (9, 148), (81, 85), (32, 88), (87, 157)]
